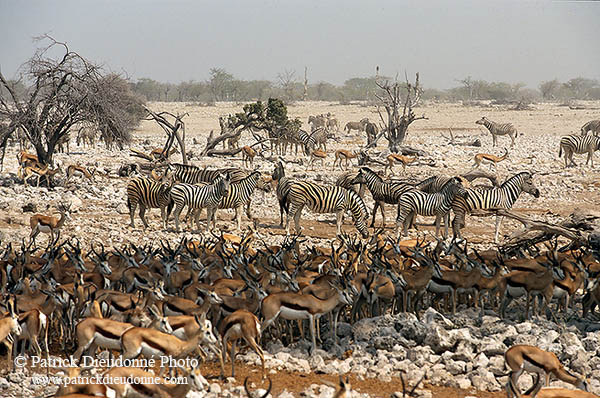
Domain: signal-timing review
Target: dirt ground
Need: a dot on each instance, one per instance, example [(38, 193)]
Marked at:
[(536, 149)]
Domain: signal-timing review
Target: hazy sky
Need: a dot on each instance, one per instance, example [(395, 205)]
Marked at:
[(445, 40)]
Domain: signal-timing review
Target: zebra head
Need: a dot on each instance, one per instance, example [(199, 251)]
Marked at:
[(481, 121), (528, 185)]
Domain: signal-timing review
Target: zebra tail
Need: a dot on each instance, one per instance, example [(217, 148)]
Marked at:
[(560, 151), (128, 203)]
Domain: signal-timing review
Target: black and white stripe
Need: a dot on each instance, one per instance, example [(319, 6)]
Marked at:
[(499, 129), (571, 144), (198, 197), (322, 199), (503, 197), (283, 189), (346, 180), (415, 203), (308, 142), (593, 126), (189, 174), (239, 195), (382, 192), (149, 194)]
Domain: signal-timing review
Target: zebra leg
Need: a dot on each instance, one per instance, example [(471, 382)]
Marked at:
[(132, 208), (381, 204), (142, 215), (176, 214), (512, 140), (498, 222), (238, 217), (339, 215), (375, 206), (297, 219)]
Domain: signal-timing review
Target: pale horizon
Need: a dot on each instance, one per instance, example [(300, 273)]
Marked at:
[(178, 41)]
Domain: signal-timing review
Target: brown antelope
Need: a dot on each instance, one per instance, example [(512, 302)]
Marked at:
[(240, 324), (26, 159), (152, 343), (101, 333), (157, 153), (79, 390), (295, 306), (33, 323), (48, 224), (39, 171), (248, 155), (80, 171), (521, 358), (317, 154), (342, 154), (392, 158), (491, 159), (118, 378), (9, 326)]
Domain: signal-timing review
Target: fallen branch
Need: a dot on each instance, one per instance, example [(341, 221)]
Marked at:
[(542, 226)]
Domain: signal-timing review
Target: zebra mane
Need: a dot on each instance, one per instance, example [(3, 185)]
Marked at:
[(379, 178), (516, 176), (185, 166)]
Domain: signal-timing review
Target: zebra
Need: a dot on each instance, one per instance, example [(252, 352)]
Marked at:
[(322, 199), (320, 136), (382, 192), (239, 194), (346, 180), (578, 144), (152, 194), (593, 126), (189, 174), (503, 197), (308, 142), (415, 203), (197, 197), (283, 189), (499, 129)]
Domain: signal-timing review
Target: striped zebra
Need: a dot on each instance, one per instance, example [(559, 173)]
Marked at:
[(308, 142), (578, 144), (346, 180), (239, 195), (382, 192), (283, 189), (198, 197), (415, 203), (499, 129), (189, 174), (151, 194), (322, 199), (503, 197), (320, 136), (593, 126)]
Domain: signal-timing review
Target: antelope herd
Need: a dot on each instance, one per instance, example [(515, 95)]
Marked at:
[(201, 297)]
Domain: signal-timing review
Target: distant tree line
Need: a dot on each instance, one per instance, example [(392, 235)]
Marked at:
[(223, 86)]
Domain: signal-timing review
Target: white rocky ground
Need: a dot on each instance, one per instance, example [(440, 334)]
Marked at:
[(460, 353)]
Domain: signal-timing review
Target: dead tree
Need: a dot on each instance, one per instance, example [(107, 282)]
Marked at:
[(399, 111), (65, 92), (172, 129)]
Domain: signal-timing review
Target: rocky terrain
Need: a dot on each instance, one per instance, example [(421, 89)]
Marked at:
[(461, 352), (459, 356)]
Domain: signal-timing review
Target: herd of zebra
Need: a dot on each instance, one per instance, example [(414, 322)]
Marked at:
[(232, 188), (197, 188)]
